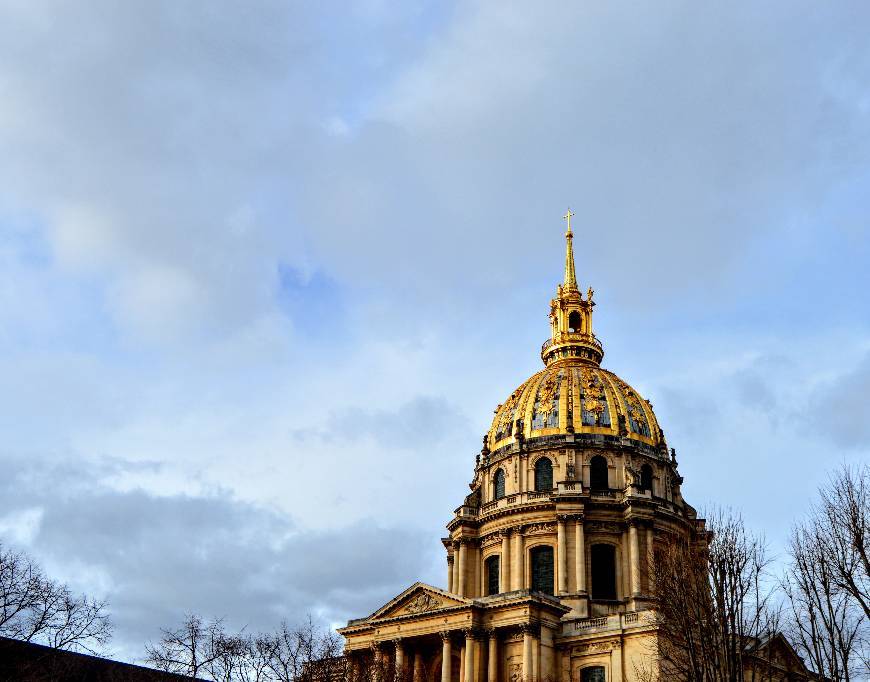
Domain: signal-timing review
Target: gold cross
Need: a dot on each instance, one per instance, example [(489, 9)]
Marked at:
[(567, 217)]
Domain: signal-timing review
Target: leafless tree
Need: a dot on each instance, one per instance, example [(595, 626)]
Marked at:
[(305, 653), (35, 608), (826, 585), (714, 604), (190, 649), (204, 649)]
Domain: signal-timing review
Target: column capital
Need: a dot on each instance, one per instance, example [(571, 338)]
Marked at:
[(530, 629), (471, 633), (564, 518), (446, 635), (398, 641)]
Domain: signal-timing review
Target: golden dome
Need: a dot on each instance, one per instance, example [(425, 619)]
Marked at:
[(574, 398), (573, 394)]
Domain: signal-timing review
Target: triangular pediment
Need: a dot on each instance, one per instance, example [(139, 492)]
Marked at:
[(778, 650), (417, 599)]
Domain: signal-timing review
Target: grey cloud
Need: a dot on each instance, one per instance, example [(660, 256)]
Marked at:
[(839, 409), (162, 556), (422, 420), (186, 153)]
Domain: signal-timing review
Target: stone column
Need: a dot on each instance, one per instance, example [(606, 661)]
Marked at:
[(418, 666), (463, 568), (469, 656), (446, 657), (536, 659), (400, 657), (455, 568), (450, 574), (527, 654), (518, 571), (616, 663), (463, 661), (378, 656), (562, 553), (492, 668), (650, 560), (580, 556), (504, 579), (634, 559)]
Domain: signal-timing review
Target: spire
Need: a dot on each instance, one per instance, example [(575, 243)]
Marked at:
[(571, 337), (570, 282)]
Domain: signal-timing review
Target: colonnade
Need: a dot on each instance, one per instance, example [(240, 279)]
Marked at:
[(479, 656), (465, 580)]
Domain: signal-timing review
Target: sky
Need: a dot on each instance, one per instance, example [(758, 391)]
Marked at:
[(266, 269)]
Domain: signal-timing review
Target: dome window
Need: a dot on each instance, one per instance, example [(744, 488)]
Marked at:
[(493, 564), (603, 572), (646, 477), (498, 485), (574, 322), (542, 569), (598, 473), (543, 475)]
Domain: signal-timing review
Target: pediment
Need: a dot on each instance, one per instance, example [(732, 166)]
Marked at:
[(417, 599)]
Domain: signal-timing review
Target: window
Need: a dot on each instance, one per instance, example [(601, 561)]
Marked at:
[(603, 572), (598, 473), (593, 674), (646, 477), (574, 322), (493, 564), (498, 484), (543, 474), (542, 569)]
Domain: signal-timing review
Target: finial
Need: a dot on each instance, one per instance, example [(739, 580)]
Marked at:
[(570, 276), (568, 217)]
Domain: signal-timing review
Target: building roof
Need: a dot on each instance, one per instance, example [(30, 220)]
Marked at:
[(28, 662)]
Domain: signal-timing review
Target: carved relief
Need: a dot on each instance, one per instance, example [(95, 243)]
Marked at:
[(423, 602), (595, 647), (540, 528), (602, 527)]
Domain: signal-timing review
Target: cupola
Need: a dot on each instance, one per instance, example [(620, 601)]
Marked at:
[(571, 335)]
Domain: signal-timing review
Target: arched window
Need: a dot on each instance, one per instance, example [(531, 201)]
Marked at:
[(593, 673), (603, 572), (574, 322), (543, 474), (598, 473), (498, 484), (542, 569), (493, 565), (646, 477)]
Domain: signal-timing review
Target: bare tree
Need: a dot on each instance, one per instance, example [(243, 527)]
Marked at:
[(844, 516), (714, 604), (35, 608), (204, 649), (188, 650), (826, 585), (305, 653)]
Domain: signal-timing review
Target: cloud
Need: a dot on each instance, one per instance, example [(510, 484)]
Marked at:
[(157, 557), (837, 408)]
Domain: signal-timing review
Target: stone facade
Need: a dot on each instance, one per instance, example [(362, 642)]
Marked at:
[(548, 560)]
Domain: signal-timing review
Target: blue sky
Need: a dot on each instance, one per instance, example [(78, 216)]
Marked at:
[(266, 269)]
